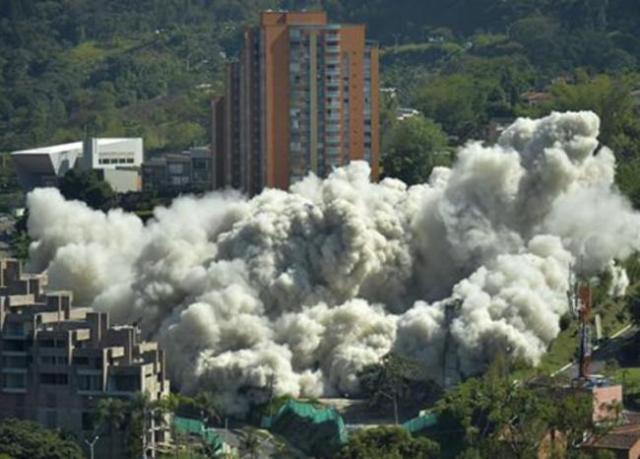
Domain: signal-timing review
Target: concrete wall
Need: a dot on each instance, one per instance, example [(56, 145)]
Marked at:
[(634, 452), (122, 180), (112, 153), (605, 400)]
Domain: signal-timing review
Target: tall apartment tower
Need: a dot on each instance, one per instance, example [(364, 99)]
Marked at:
[(302, 98)]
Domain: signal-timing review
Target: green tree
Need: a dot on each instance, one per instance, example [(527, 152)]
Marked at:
[(610, 99), (139, 409), (539, 35), (389, 380), (208, 406), (87, 187), (633, 305), (412, 149), (132, 418), (111, 418), (632, 266), (250, 444), (184, 135), (571, 415), (455, 102), (495, 416), (112, 413), (388, 443), (28, 440), (627, 174)]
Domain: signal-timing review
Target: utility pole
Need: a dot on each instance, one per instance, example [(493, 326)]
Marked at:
[(153, 434), (572, 297), (396, 40), (450, 364), (270, 385), (395, 408)]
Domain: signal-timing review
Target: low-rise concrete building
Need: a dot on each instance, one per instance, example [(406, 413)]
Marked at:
[(623, 440), (191, 170), (58, 361), (405, 113)]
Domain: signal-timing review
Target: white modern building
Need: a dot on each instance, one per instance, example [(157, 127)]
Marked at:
[(118, 160)]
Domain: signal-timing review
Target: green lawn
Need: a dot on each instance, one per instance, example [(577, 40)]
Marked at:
[(630, 377), (563, 348), (630, 380)]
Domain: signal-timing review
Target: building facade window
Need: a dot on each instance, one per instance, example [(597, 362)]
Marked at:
[(15, 380), (54, 379), (90, 382)]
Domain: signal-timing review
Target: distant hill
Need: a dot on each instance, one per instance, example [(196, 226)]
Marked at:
[(70, 68)]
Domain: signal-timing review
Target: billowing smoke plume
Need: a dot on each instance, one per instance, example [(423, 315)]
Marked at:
[(308, 286)]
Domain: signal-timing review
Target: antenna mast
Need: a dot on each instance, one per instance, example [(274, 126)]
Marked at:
[(584, 344)]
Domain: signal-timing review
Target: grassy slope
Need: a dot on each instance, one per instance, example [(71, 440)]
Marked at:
[(563, 348)]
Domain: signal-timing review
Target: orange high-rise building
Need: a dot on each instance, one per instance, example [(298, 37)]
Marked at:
[(303, 97)]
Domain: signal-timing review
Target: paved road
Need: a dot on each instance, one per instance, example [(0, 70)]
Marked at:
[(601, 353)]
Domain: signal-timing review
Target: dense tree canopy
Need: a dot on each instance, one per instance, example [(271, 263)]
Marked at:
[(70, 68), (633, 304), (87, 187), (28, 440), (494, 416), (412, 148), (388, 443)]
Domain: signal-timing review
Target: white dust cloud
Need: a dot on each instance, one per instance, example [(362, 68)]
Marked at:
[(306, 287)]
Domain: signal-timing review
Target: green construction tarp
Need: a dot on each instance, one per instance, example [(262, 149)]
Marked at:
[(421, 423), (319, 432), (195, 427)]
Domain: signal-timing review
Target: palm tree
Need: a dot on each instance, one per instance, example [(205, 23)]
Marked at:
[(389, 379), (129, 416), (148, 416), (251, 444), (112, 415), (112, 412), (207, 404)]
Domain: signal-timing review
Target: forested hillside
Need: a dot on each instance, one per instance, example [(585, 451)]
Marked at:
[(114, 67), (554, 33), (70, 68)]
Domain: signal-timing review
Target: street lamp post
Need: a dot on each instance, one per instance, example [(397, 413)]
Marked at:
[(91, 444)]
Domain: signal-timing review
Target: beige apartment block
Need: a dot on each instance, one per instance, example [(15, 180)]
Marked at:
[(58, 361)]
